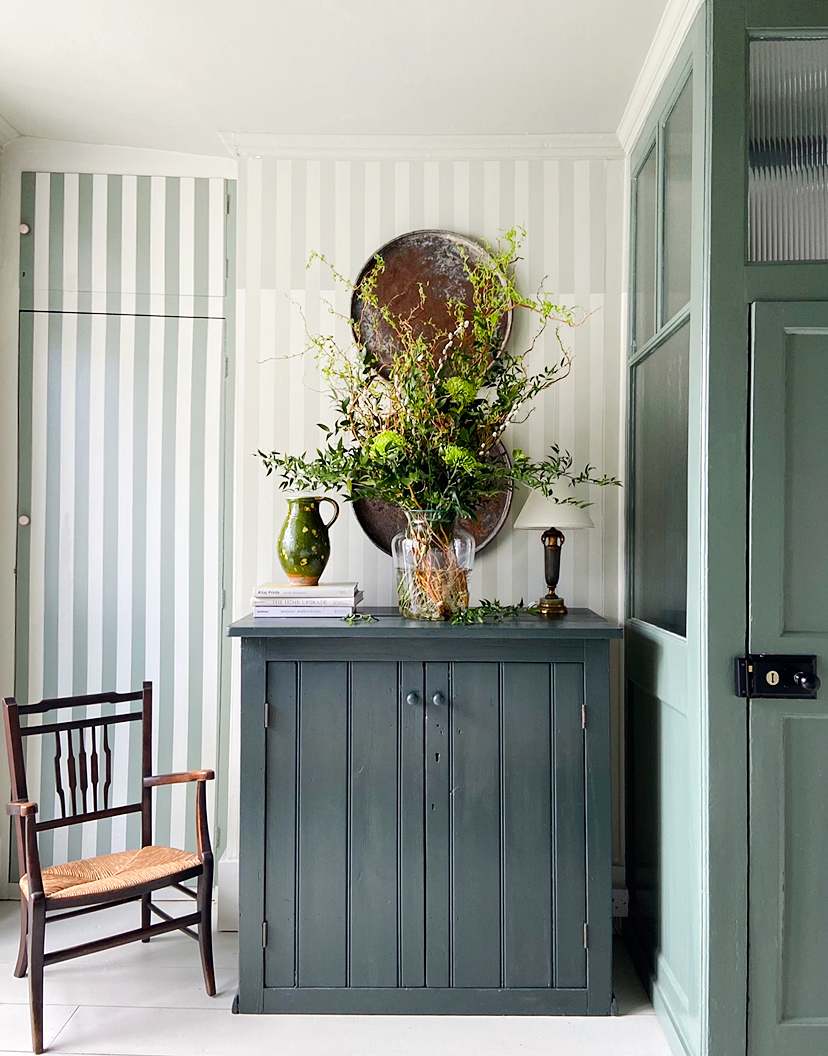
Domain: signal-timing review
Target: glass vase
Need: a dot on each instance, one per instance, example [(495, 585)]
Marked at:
[(433, 559)]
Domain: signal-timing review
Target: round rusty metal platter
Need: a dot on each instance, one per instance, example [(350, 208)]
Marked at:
[(434, 261), (381, 521)]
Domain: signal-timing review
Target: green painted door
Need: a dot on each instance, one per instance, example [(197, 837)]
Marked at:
[(788, 613)]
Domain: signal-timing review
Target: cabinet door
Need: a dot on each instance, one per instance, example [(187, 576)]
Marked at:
[(344, 810), (505, 840)]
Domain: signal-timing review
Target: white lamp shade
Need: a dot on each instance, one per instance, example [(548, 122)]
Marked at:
[(542, 512)]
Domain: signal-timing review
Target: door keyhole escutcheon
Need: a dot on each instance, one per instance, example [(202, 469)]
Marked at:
[(772, 678)]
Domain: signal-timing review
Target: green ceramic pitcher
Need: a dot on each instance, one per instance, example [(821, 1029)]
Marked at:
[(304, 546)]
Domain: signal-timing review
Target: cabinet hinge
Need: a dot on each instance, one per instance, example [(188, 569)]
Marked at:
[(583, 716), (228, 204), (586, 936), (264, 934), (266, 714), (226, 366)]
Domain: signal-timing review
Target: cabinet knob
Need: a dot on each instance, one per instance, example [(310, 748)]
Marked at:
[(412, 698), (438, 699)]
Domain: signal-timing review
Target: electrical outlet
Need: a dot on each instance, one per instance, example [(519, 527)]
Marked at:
[(620, 902)]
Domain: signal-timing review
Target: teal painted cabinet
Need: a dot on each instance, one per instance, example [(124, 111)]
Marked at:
[(425, 817)]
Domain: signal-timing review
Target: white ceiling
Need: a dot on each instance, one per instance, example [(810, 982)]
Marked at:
[(172, 74)]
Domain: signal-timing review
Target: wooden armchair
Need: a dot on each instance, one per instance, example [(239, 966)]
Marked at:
[(83, 767)]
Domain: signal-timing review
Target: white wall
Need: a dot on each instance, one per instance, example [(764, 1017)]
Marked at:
[(346, 198)]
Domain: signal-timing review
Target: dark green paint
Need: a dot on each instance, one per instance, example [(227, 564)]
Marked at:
[(420, 857)]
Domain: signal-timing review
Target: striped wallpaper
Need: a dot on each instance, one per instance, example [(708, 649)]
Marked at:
[(347, 210), (148, 245), (121, 470), (572, 211)]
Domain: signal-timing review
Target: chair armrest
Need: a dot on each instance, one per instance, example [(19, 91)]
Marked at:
[(21, 809), (176, 779)]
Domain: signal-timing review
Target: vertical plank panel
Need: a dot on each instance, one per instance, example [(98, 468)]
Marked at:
[(598, 826), (527, 793), (569, 822), (280, 824), (475, 829), (323, 824), (411, 807), (438, 868), (373, 825), (252, 825)]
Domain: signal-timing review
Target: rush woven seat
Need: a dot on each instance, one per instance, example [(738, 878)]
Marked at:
[(111, 872), (84, 779)]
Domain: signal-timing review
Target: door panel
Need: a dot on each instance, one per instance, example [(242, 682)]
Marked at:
[(789, 739), (475, 825), (119, 565), (527, 821)]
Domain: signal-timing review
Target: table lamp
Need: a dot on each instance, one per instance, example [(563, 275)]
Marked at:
[(541, 511)]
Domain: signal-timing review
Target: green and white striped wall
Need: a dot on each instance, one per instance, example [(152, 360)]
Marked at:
[(346, 200), (121, 440)]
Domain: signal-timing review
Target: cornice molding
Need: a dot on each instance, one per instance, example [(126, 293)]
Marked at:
[(27, 154), (7, 132), (672, 29), (427, 148)]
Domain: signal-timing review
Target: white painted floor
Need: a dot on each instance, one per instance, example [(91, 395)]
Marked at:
[(149, 1000)]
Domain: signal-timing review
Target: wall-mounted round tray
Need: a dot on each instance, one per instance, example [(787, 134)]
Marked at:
[(432, 260)]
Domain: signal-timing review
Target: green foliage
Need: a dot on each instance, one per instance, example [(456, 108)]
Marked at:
[(359, 617), (423, 437), (494, 611)]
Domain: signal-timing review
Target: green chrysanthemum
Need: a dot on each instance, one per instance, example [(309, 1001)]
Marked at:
[(386, 445), (456, 457), (460, 390)]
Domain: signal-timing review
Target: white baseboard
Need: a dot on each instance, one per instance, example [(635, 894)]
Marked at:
[(227, 917)]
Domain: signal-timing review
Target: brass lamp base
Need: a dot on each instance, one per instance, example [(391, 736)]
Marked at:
[(551, 605)]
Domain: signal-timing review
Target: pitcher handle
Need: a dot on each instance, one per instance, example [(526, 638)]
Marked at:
[(335, 505)]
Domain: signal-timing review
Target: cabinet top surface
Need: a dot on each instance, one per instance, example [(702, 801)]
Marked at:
[(578, 623)]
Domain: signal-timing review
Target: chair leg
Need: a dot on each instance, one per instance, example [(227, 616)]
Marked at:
[(22, 951), (146, 914), (205, 927), (36, 938)]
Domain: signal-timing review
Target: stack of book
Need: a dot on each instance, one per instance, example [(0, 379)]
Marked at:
[(280, 601)]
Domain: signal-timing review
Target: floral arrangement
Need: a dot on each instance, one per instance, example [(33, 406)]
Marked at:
[(423, 436)]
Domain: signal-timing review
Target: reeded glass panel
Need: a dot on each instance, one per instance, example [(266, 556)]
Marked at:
[(678, 171), (788, 182), (645, 250), (660, 491)]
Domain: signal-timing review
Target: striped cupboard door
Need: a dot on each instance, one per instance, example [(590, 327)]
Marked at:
[(119, 568), (121, 471), (146, 245)]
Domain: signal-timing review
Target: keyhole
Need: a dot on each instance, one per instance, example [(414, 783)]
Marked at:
[(436, 757), (772, 678)]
